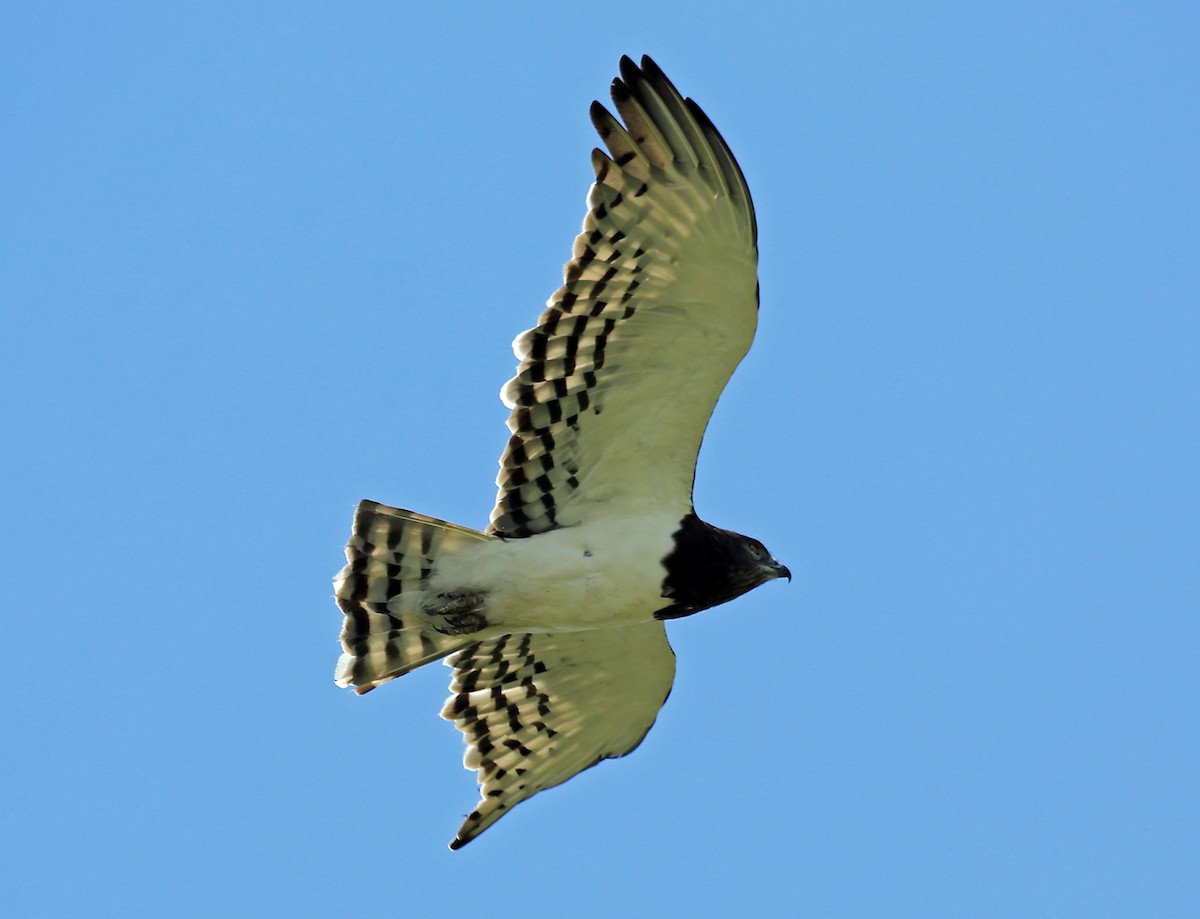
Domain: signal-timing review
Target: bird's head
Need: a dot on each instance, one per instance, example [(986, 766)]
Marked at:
[(710, 566), (757, 564)]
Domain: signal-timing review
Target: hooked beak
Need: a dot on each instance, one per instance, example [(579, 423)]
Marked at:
[(781, 571)]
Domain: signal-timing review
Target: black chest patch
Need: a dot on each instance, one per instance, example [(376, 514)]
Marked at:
[(705, 568)]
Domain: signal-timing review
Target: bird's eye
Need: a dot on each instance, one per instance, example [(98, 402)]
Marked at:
[(756, 550)]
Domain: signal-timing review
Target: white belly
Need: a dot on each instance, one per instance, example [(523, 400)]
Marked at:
[(582, 577)]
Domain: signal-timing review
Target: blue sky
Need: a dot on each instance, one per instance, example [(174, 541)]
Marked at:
[(263, 260)]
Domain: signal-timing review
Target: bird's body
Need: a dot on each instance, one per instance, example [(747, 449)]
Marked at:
[(562, 580), (552, 617)]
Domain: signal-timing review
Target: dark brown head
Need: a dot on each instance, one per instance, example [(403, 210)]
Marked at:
[(709, 566)]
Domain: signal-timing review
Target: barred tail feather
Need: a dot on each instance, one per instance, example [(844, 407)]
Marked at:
[(390, 557)]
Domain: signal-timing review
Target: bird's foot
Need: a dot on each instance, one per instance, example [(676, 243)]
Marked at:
[(457, 614)]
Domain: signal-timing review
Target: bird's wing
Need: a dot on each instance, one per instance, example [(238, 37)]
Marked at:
[(537, 709), (617, 382)]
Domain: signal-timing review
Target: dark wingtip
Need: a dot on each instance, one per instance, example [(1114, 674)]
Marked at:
[(628, 69), (600, 118), (652, 70)]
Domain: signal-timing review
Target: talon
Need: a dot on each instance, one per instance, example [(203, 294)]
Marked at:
[(457, 614), (460, 624)]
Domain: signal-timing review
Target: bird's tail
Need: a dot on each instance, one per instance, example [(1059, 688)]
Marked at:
[(390, 557)]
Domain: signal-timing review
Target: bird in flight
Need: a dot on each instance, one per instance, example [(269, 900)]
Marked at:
[(553, 617)]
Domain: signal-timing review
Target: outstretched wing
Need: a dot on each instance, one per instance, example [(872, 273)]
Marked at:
[(617, 381), (538, 709)]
